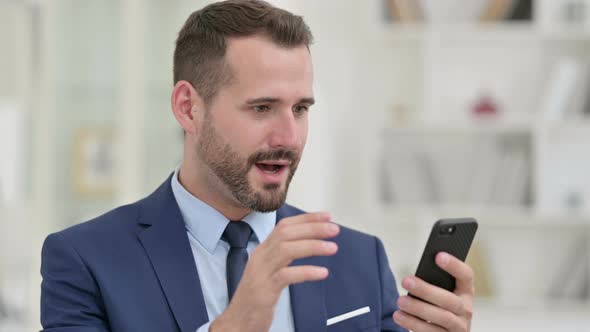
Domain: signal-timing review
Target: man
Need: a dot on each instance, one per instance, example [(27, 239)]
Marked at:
[(215, 248)]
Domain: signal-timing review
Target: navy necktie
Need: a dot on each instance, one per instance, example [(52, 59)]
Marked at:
[(237, 234)]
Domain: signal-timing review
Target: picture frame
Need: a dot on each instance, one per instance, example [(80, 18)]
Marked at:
[(94, 162)]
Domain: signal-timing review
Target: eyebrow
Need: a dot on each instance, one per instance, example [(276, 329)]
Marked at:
[(271, 100)]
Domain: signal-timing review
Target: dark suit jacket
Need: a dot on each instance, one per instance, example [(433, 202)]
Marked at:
[(132, 269)]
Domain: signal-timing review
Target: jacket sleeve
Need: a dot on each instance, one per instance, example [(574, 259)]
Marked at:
[(389, 293), (70, 299)]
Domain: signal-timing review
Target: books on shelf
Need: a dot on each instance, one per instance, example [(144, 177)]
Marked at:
[(450, 159), (586, 105), (572, 278), (480, 176), (562, 15), (496, 10), (517, 178), (511, 10), (404, 10), (581, 96), (567, 93), (511, 172), (478, 261), (521, 10), (408, 173), (426, 169), (453, 11)]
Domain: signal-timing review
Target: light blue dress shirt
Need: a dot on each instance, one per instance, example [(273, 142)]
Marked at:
[(204, 226)]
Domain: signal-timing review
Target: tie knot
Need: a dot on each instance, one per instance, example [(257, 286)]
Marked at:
[(237, 234)]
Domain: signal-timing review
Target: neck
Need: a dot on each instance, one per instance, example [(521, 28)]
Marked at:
[(211, 191)]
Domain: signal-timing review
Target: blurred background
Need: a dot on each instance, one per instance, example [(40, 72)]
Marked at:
[(426, 109)]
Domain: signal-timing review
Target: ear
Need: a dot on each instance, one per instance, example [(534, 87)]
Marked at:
[(186, 102)]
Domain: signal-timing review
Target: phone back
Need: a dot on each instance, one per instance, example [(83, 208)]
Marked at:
[(453, 236)]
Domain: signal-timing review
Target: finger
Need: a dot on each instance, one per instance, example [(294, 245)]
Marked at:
[(435, 295), (414, 324), (292, 250), (310, 230), (458, 269), (307, 217), (430, 313), (297, 274)]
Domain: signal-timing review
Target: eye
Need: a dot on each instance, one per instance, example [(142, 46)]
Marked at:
[(300, 109), (261, 108)]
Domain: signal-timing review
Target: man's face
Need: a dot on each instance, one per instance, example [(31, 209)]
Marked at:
[(254, 131)]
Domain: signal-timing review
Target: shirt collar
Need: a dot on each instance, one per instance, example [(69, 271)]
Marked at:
[(207, 224)]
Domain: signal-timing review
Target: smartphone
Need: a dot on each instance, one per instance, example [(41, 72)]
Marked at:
[(453, 236)]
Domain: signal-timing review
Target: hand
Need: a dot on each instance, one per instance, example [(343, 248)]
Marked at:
[(268, 272), (449, 311)]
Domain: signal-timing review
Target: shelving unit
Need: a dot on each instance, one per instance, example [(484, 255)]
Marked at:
[(108, 64), (491, 317), (423, 81)]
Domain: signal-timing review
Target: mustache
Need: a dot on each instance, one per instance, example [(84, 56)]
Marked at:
[(286, 154)]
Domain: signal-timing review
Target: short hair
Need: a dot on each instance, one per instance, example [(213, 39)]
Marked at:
[(201, 43)]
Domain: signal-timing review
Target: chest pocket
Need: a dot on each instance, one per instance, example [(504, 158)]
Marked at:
[(362, 322)]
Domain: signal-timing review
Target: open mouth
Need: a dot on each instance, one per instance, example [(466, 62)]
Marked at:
[(271, 167)]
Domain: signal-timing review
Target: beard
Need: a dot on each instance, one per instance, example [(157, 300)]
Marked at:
[(232, 170)]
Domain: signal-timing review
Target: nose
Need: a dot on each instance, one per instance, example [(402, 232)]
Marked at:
[(286, 131)]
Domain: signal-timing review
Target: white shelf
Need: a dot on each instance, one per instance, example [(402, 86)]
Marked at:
[(487, 216), (463, 31), (573, 35), (482, 32), (488, 126), (583, 125), (457, 127)]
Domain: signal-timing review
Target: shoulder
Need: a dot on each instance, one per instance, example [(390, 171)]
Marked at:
[(107, 229), (112, 220), (124, 220)]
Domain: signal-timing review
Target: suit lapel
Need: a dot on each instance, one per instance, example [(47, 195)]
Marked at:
[(308, 298), (167, 246)]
